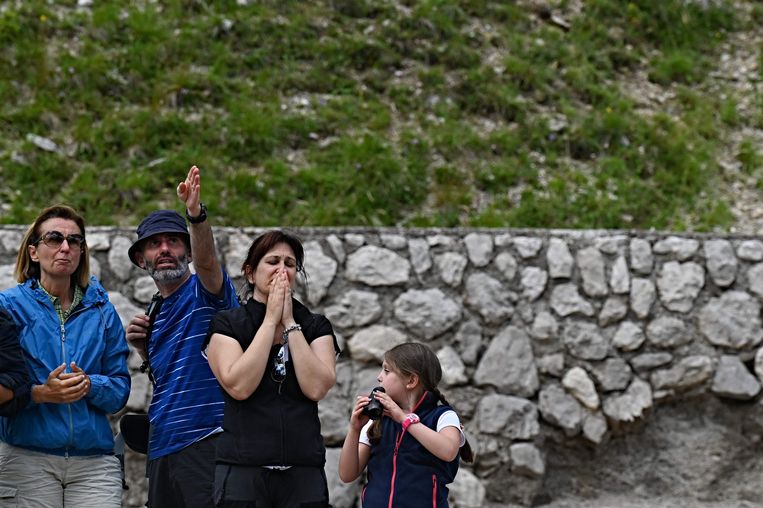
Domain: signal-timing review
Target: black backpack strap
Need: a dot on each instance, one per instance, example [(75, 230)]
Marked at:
[(151, 311)]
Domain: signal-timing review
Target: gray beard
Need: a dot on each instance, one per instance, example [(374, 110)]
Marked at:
[(168, 274)]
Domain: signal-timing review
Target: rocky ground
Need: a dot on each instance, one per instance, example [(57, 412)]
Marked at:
[(698, 452), (721, 457), (636, 501), (626, 501)]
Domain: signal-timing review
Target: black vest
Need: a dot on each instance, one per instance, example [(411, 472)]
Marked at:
[(277, 425)]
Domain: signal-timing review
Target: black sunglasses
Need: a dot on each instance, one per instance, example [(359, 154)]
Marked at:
[(54, 240)]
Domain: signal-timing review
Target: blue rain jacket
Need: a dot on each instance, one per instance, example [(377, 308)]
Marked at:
[(94, 338)]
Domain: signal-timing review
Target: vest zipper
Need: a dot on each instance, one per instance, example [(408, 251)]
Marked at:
[(398, 440)]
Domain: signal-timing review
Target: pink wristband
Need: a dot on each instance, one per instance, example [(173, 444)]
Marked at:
[(410, 419)]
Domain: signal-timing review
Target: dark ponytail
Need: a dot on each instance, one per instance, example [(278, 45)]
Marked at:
[(466, 452), (374, 432)]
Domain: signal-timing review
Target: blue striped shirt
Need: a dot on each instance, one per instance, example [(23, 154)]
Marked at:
[(187, 404)]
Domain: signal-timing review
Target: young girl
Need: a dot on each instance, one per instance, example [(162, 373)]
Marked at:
[(412, 450)]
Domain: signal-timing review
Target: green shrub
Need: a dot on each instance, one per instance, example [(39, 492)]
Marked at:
[(436, 113), (678, 66), (750, 156)]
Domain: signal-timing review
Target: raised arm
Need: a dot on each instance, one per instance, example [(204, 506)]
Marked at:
[(203, 251), (444, 444), (314, 363), (354, 456), (239, 372)]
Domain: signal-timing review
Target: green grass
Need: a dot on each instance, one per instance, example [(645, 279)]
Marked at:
[(427, 113), (750, 157)]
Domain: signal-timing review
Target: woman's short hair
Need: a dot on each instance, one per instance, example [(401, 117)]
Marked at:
[(266, 241), (28, 269)]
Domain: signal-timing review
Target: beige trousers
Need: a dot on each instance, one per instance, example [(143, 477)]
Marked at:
[(31, 479)]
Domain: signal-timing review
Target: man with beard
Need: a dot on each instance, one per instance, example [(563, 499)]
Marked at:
[(186, 411)]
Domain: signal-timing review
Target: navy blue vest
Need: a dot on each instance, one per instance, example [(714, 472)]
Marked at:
[(408, 475)]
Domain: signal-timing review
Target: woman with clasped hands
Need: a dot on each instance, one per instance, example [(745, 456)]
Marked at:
[(274, 360), (57, 451)]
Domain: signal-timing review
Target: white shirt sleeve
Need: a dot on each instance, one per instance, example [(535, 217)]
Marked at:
[(363, 439), (450, 419), (447, 419)]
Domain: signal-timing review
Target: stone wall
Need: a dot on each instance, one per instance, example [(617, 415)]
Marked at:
[(558, 347)]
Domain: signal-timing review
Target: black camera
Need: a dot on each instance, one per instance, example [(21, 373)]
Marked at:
[(374, 408)]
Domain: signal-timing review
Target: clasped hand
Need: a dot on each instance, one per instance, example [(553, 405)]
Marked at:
[(64, 387), (279, 307)]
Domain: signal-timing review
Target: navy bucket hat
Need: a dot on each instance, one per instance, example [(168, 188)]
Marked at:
[(160, 221)]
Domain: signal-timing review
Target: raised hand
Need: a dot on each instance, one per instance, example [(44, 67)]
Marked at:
[(189, 191), (287, 318), (358, 419), (391, 409), (274, 310)]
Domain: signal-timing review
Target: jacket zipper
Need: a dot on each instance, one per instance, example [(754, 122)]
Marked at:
[(434, 491), (68, 406)]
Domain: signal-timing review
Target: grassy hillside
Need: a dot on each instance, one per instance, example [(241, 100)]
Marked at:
[(374, 112)]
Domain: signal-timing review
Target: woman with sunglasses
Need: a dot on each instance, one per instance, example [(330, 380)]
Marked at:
[(274, 360), (58, 450)]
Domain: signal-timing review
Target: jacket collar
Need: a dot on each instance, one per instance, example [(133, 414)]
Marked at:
[(94, 293)]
